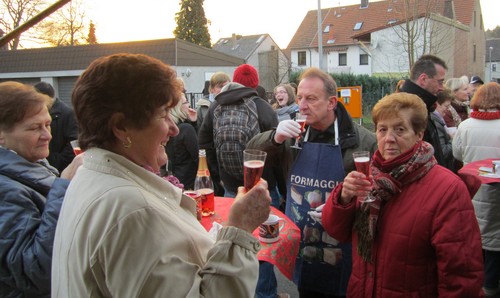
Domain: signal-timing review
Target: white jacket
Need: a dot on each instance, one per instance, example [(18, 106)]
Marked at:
[(476, 140), (125, 232)]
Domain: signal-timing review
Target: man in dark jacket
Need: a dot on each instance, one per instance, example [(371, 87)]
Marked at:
[(426, 81), (63, 127)]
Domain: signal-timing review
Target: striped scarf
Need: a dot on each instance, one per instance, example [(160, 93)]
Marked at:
[(389, 178)]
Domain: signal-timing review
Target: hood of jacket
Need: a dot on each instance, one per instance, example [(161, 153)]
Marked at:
[(234, 92), (203, 102)]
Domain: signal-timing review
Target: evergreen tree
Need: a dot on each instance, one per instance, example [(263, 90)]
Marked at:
[(192, 25), (92, 39), (495, 33)]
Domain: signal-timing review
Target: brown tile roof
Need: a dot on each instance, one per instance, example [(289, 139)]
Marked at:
[(171, 51), (376, 16)]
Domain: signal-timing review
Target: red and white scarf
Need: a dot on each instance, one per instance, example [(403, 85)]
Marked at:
[(389, 178)]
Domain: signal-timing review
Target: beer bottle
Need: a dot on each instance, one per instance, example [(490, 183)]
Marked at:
[(204, 185)]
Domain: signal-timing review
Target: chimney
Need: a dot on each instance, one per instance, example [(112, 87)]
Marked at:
[(449, 9), (233, 40), (364, 4)]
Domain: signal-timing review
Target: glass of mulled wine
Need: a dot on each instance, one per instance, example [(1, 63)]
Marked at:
[(300, 119), (253, 164), (362, 162)]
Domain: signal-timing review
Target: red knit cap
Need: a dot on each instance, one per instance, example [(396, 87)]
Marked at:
[(246, 75)]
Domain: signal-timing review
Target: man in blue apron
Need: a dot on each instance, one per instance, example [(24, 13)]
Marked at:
[(323, 265)]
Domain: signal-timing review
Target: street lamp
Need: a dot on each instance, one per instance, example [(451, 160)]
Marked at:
[(491, 66)]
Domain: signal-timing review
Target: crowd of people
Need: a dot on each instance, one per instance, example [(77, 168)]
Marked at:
[(105, 223)]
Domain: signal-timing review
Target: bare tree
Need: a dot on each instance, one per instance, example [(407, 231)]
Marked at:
[(66, 27), (418, 27), (15, 12)]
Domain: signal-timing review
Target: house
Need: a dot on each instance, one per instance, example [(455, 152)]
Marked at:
[(260, 51), (61, 66), (372, 37), (492, 69)]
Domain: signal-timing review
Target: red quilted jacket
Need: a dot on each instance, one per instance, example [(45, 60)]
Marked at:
[(427, 245)]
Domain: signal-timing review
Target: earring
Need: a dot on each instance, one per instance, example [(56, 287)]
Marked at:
[(127, 145)]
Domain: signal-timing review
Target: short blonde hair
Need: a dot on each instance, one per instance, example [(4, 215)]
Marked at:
[(391, 105), (218, 78), (177, 114), (455, 83)]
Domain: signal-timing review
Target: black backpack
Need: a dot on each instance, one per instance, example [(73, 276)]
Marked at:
[(234, 126)]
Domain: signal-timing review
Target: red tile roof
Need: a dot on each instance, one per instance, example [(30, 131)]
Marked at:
[(375, 17)]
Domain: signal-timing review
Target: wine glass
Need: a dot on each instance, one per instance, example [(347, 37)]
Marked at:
[(300, 119), (253, 165), (362, 162)]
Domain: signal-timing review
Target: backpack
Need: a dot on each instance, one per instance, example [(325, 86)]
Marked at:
[(234, 126)]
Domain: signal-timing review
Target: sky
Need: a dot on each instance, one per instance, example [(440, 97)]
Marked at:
[(130, 20)]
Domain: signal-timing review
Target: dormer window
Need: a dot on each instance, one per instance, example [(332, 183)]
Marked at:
[(358, 26), (330, 41), (327, 29), (391, 21)]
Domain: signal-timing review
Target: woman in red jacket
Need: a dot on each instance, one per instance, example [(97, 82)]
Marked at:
[(419, 238)]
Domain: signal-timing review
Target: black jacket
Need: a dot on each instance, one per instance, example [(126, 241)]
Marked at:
[(64, 129), (431, 133), (182, 151), (267, 121)]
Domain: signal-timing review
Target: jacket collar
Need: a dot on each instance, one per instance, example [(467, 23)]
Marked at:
[(105, 161), (429, 99)]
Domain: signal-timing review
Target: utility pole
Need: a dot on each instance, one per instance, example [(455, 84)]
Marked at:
[(491, 66), (320, 37), (32, 22)]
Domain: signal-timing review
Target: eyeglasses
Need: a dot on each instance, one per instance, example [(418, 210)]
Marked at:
[(279, 92)]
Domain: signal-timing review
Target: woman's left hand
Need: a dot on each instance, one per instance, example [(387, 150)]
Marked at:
[(355, 184), (192, 114)]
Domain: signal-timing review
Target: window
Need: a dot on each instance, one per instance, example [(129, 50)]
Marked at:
[(474, 18), (474, 53), (342, 59), (301, 58), (327, 29), (358, 26), (363, 59), (493, 67)]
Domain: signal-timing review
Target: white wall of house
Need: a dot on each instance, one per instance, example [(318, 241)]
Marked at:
[(353, 65), (492, 71)]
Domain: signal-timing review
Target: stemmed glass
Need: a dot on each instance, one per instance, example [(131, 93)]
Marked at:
[(300, 119), (362, 162)]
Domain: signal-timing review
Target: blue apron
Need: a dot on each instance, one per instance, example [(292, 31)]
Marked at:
[(322, 264)]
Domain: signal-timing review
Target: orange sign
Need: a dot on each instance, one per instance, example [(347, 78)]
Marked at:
[(351, 98)]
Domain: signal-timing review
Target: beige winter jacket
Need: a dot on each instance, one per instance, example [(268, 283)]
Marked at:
[(125, 232)]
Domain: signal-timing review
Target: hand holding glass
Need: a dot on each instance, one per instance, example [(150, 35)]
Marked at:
[(362, 162), (253, 164), (300, 119), (76, 147)]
